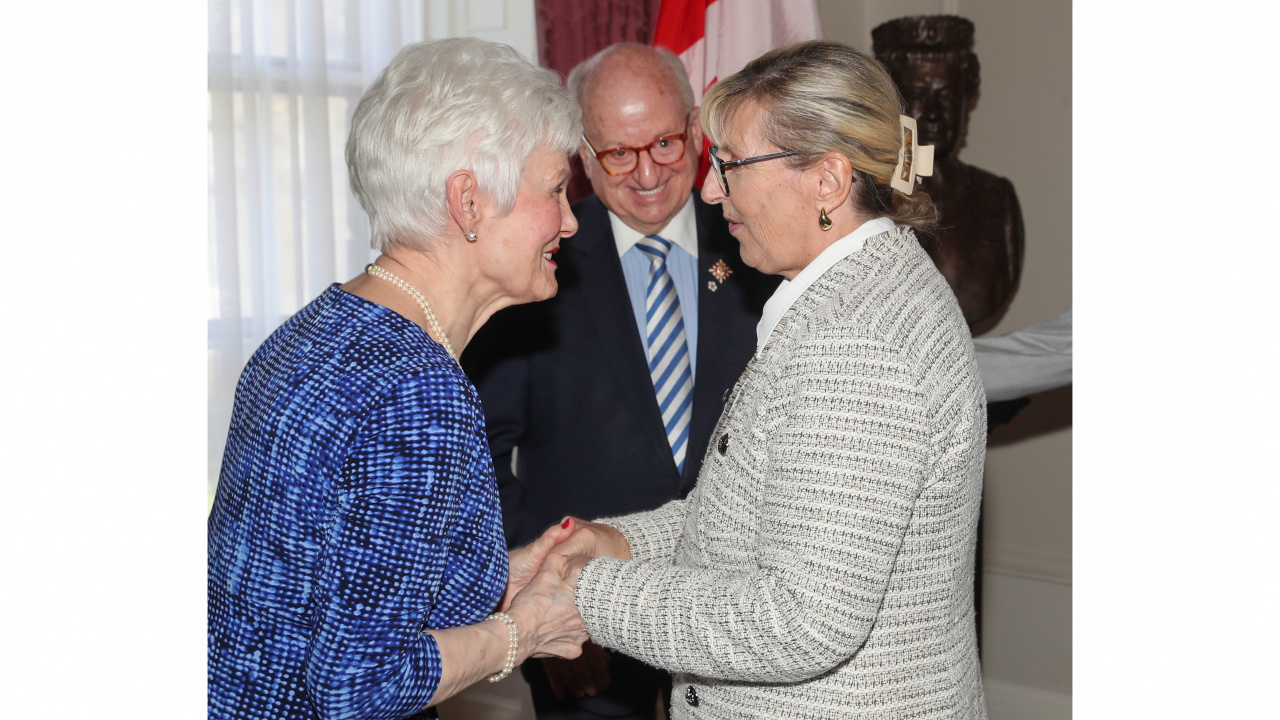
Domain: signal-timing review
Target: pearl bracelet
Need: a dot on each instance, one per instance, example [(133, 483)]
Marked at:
[(514, 637)]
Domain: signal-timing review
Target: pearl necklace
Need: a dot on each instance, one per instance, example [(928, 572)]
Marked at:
[(381, 272)]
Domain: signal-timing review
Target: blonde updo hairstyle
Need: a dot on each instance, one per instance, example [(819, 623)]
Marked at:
[(822, 96)]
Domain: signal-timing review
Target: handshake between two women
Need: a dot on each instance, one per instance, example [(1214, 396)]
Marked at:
[(541, 584)]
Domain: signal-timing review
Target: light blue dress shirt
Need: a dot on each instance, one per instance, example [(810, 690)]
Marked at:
[(682, 263)]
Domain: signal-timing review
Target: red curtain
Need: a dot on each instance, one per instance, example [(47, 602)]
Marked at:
[(570, 31)]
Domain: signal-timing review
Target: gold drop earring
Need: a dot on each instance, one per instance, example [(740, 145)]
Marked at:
[(824, 222)]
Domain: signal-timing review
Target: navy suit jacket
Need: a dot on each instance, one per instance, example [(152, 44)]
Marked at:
[(567, 381)]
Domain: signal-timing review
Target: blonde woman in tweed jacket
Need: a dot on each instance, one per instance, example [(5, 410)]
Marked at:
[(823, 566)]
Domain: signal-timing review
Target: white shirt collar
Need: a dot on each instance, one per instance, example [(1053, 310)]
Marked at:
[(790, 290), (682, 230)]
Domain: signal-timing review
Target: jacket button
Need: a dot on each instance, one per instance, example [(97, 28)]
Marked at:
[(724, 443), (726, 395), (691, 696)]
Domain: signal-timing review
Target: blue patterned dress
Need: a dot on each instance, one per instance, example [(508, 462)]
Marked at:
[(356, 508)]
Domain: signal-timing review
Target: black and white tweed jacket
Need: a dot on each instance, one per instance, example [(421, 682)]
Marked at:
[(823, 565)]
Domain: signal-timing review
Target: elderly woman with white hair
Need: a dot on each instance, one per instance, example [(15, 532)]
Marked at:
[(823, 565), (356, 552)]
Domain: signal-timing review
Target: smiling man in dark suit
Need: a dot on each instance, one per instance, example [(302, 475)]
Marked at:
[(601, 401)]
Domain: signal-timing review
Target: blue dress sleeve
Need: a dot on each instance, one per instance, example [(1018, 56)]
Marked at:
[(402, 491)]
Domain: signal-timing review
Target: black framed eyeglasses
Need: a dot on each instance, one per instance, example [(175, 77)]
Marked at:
[(721, 165)]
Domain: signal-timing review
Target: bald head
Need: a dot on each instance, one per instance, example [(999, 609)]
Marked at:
[(627, 62), (632, 95)]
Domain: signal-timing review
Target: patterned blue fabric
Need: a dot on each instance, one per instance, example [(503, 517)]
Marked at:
[(356, 508)]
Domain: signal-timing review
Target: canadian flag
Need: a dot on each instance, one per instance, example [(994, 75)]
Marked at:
[(716, 38)]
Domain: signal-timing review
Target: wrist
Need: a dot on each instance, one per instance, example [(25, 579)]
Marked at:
[(507, 630), (527, 626), (618, 545)]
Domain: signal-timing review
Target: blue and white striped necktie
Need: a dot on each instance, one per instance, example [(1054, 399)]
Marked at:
[(668, 348)]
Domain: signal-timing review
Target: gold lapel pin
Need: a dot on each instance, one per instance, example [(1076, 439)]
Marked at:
[(720, 271)]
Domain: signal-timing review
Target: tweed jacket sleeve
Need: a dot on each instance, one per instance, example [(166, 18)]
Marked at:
[(846, 457)]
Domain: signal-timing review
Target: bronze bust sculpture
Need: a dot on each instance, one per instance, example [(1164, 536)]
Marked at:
[(978, 245)]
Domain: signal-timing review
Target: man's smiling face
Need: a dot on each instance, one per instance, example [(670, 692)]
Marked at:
[(631, 100)]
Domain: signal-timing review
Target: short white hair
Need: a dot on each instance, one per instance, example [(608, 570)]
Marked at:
[(448, 105), (580, 75)]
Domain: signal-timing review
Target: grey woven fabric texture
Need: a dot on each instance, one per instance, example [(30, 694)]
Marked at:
[(823, 565)]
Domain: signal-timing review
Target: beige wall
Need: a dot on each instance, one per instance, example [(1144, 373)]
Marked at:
[(1021, 129)]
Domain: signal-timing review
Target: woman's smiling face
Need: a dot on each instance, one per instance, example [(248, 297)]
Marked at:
[(522, 244)]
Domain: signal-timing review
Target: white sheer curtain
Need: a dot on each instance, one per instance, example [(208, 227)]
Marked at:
[(284, 79)]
